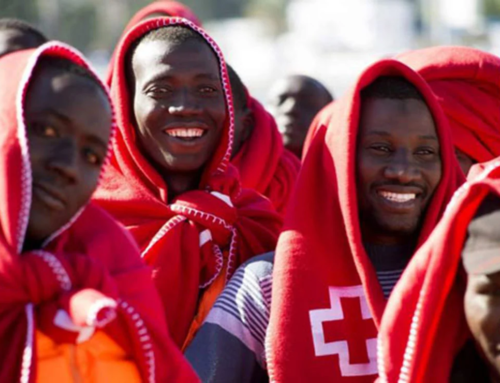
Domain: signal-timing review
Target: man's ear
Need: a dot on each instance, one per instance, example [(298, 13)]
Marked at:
[(248, 124)]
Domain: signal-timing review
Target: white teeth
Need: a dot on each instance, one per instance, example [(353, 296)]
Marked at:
[(397, 197), (185, 132)]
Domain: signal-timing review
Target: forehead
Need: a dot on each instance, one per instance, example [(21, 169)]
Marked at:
[(154, 58), (396, 117), (80, 100)]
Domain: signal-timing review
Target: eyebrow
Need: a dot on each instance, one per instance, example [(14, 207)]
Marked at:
[(209, 76), (98, 141), (59, 115), (92, 138), (166, 77), (386, 134)]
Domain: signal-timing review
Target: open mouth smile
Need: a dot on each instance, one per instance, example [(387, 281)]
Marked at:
[(186, 134), (397, 197)]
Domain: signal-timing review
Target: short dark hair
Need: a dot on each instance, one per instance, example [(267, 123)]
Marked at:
[(24, 27), (392, 87), (67, 66), (240, 99), (176, 34)]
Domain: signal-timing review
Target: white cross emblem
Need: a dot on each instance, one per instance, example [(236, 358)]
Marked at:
[(341, 348)]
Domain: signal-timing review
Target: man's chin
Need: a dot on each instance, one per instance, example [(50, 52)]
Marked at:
[(395, 227)]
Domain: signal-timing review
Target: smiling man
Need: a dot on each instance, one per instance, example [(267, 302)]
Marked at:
[(372, 187), (171, 183)]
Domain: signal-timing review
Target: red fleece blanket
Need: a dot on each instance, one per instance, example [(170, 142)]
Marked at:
[(424, 325), (467, 85), (263, 162), (322, 119)]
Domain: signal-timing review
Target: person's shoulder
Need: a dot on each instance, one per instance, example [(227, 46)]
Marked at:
[(260, 266)]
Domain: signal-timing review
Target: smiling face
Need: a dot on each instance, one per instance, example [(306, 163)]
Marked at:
[(482, 311), (179, 104), (398, 168), (68, 120)]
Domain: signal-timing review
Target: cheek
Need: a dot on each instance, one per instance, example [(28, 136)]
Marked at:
[(217, 110), (433, 174), (367, 170), (482, 316), (147, 111), (90, 180)]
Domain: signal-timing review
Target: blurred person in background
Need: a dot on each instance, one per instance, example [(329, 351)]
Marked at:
[(294, 101), (157, 8), (258, 153), (467, 85), (320, 121), (170, 181), (16, 35)]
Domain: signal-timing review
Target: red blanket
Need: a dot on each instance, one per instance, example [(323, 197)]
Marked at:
[(167, 7), (263, 162), (424, 325), (90, 268), (322, 119), (467, 85), (327, 303), (188, 241)]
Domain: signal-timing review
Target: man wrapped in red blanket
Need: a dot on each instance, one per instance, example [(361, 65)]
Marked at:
[(77, 302), (373, 186), (170, 181)]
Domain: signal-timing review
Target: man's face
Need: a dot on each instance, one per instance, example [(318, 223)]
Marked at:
[(482, 311), (12, 40), (179, 104), (295, 101), (398, 167), (68, 121)]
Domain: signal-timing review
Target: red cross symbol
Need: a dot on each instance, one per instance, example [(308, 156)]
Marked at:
[(341, 348)]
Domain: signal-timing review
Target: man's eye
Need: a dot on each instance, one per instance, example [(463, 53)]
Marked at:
[(92, 158), (158, 91), (426, 151), (380, 148), (45, 130), (207, 90)]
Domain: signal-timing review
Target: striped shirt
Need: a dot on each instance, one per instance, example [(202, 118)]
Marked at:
[(389, 262), (388, 280), (230, 346)]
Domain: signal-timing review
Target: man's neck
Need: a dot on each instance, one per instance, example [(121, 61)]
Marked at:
[(179, 183), (387, 239)]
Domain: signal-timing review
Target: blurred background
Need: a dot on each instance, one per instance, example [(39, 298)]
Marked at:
[(332, 40)]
